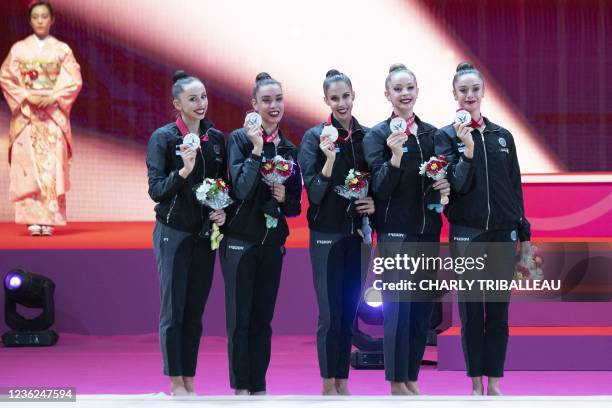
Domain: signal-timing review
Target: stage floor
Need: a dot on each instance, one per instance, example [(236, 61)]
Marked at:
[(138, 235), (132, 365), (290, 401)]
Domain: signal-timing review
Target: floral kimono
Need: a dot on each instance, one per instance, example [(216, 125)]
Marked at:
[(40, 142)]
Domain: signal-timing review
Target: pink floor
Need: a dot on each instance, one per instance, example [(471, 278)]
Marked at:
[(132, 365)]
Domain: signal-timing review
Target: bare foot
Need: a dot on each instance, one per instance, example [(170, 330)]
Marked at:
[(399, 388), (342, 386), (413, 387), (329, 387), (258, 393), (477, 388), (493, 386), (494, 391), (177, 387), (188, 381), (241, 392)]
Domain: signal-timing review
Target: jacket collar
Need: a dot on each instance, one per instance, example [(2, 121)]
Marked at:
[(490, 126)]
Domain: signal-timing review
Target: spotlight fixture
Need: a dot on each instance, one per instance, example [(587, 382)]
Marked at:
[(31, 291), (369, 353)]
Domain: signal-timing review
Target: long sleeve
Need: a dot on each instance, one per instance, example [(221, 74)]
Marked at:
[(460, 171), (385, 177), (69, 81), (244, 168), (13, 88), (162, 186), (292, 207), (524, 229), (317, 185)]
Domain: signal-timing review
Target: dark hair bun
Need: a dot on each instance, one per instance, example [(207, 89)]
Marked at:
[(261, 76), (464, 66), (332, 72), (178, 75), (397, 67)]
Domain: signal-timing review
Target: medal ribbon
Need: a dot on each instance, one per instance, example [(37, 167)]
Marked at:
[(182, 127), (340, 138), (409, 122)]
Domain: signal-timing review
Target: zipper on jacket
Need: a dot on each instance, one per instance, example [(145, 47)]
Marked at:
[(265, 236), (487, 173), (171, 208), (422, 184), (236, 215), (348, 211), (316, 214), (387, 210)]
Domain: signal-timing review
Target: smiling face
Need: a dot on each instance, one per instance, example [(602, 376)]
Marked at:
[(469, 91), (402, 92), (339, 97), (192, 102), (41, 20), (269, 103)]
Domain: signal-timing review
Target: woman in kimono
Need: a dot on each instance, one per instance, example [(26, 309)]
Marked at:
[(40, 80)]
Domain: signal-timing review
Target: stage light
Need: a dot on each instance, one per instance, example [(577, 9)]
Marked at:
[(12, 281), (372, 297), (369, 353), (31, 291)]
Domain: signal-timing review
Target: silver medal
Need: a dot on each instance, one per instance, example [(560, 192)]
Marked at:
[(192, 140), (398, 125), (462, 116), (331, 132), (252, 119)]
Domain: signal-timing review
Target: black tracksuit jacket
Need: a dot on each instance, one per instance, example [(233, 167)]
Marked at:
[(246, 218), (177, 205), (486, 191), (401, 194), (328, 211)]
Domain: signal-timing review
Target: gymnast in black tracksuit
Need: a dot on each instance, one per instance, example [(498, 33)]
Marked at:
[(402, 217), (486, 215), (335, 226), (182, 248), (252, 252)]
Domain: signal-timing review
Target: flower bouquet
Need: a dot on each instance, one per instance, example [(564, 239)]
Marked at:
[(355, 187), (275, 170), (529, 266), (213, 193), (435, 168)]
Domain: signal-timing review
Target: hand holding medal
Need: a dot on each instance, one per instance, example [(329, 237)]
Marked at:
[(252, 119), (192, 140), (462, 117), (463, 129), (398, 137), (398, 125), (328, 138), (252, 124)]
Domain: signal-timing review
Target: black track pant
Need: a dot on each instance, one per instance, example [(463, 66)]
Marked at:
[(406, 323), (339, 267), (252, 275), (484, 315), (185, 266)]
